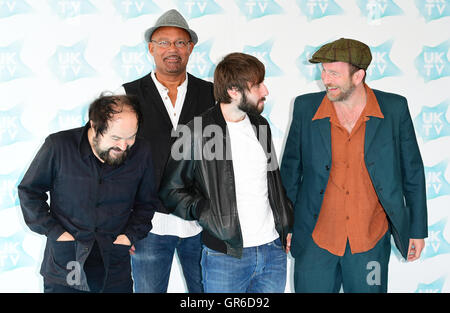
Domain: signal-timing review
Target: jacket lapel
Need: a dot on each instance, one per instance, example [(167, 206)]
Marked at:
[(323, 127), (371, 129), (188, 109), (373, 124)]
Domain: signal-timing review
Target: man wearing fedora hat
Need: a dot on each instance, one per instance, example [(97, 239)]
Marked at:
[(353, 170), (169, 97)]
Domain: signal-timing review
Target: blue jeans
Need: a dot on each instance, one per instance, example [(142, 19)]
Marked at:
[(317, 270), (152, 262), (261, 269)]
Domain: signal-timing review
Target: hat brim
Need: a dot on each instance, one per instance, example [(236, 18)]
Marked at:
[(324, 60), (149, 32)]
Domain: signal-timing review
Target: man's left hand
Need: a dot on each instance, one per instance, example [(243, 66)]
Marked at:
[(122, 240), (415, 249)]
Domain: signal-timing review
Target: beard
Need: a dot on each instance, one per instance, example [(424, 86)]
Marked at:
[(105, 155), (250, 107), (346, 92)]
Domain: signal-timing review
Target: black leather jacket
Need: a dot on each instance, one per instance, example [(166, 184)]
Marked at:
[(200, 185)]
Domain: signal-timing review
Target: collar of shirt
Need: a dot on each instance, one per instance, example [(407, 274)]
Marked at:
[(83, 145), (372, 107), (163, 89), (173, 111)]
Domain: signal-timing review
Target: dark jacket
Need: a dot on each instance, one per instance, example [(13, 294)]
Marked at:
[(201, 187), (156, 126), (87, 204), (391, 155)]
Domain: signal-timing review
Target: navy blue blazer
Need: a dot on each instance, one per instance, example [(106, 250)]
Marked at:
[(391, 155)]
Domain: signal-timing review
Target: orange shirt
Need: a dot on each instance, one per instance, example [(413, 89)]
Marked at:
[(350, 208)]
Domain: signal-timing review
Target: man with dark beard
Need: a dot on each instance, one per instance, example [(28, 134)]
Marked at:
[(353, 170), (239, 201), (102, 199)]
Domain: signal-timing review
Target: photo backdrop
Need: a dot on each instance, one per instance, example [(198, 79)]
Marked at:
[(56, 56)]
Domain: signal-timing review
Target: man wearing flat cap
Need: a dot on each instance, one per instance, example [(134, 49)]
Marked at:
[(353, 170), (169, 97)]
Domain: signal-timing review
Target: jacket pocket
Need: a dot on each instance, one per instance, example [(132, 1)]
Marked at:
[(119, 268), (64, 252)]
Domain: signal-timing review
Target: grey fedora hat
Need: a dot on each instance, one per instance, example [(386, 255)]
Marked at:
[(171, 18)]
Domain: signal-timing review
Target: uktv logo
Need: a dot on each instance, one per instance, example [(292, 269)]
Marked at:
[(433, 9), (433, 287), (436, 183), (11, 65), (72, 8), (436, 244), (200, 64), (309, 70), (69, 63), (133, 62), (12, 255), (275, 131), (432, 63), (431, 122), (198, 8), (253, 9), (8, 189), (134, 8), (11, 128), (375, 10), (13, 7), (262, 52), (66, 119), (382, 65), (315, 9)]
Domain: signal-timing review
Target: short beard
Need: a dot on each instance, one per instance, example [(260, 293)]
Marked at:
[(344, 94), (106, 156), (249, 107)]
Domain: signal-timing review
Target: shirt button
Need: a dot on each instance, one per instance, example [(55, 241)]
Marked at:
[(347, 193), (347, 218)]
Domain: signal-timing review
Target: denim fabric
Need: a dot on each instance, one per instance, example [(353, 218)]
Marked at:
[(152, 262), (261, 269), (317, 270)]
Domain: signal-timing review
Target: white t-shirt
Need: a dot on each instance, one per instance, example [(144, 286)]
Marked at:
[(169, 224), (250, 177)]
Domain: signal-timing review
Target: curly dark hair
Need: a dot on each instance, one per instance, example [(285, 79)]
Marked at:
[(102, 110)]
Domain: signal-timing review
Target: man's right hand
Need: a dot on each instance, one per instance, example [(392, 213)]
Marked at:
[(65, 237)]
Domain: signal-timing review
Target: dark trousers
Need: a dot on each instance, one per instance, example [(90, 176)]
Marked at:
[(95, 273), (317, 270)]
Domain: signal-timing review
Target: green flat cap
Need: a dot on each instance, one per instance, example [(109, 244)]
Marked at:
[(344, 50)]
